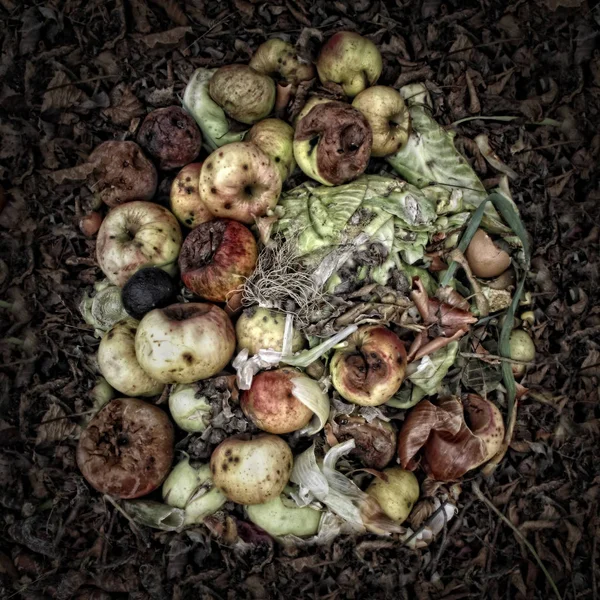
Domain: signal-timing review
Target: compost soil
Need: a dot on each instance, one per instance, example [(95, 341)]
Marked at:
[(74, 73)]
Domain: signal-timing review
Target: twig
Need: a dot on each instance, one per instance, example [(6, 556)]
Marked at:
[(81, 82), (225, 18), (477, 491), (496, 357), (127, 516)]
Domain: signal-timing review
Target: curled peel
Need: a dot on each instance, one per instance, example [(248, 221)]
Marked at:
[(451, 446)]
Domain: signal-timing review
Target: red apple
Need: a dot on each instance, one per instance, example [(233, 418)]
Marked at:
[(271, 405), (216, 258), (370, 370), (239, 181)]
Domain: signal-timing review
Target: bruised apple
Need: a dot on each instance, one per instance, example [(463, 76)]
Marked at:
[(216, 258), (119, 365), (239, 181), (388, 116), (271, 404), (351, 60), (126, 450), (251, 471), (136, 235), (170, 135), (261, 328), (121, 173), (184, 342), (185, 200), (243, 93), (371, 368), (275, 138), (279, 59), (332, 143)]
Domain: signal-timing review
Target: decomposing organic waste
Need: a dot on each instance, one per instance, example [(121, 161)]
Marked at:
[(121, 173), (332, 143), (118, 363), (170, 135), (363, 307), (239, 181), (244, 94), (216, 258), (126, 450), (351, 60), (136, 235), (251, 471), (185, 342), (185, 201), (147, 289)]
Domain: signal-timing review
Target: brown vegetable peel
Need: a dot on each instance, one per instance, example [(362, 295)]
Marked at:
[(455, 436)]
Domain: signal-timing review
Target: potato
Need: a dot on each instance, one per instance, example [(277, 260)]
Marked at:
[(251, 471)]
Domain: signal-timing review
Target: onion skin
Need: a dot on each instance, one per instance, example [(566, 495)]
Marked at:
[(332, 143), (370, 370), (484, 257), (126, 450), (450, 447)]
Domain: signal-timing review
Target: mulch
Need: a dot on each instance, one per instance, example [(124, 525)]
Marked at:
[(75, 73)]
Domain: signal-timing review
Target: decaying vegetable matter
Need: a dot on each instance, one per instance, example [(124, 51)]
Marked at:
[(327, 350)]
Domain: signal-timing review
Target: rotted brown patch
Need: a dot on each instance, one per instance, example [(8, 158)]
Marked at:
[(342, 139)]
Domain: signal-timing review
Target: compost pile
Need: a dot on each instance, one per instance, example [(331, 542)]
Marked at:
[(310, 327)]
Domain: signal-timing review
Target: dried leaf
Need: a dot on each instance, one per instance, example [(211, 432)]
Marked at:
[(124, 105), (61, 95), (55, 426), (171, 37)]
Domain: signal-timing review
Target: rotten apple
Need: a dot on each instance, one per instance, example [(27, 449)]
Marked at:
[(243, 93), (239, 181), (121, 173), (271, 404), (332, 143), (185, 200), (126, 450), (371, 368), (251, 471), (261, 328), (184, 342), (351, 60), (279, 59), (216, 258), (170, 135), (136, 235)]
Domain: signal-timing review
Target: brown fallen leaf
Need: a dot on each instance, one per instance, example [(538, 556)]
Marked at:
[(171, 37)]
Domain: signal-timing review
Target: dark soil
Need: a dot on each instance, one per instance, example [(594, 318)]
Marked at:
[(75, 73)]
